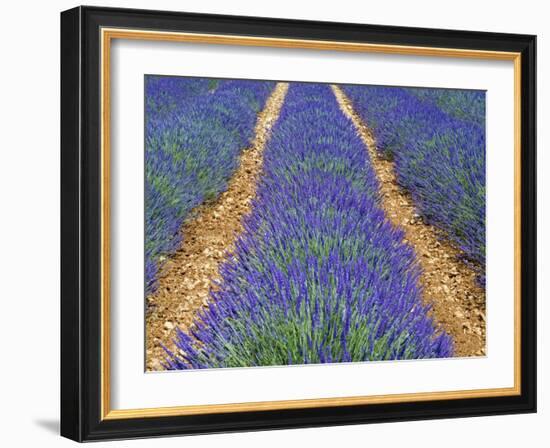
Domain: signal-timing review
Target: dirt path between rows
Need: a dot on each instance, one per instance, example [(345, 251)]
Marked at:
[(187, 278), (458, 302)]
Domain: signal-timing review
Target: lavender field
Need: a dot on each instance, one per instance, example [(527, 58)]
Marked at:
[(195, 130), (301, 223)]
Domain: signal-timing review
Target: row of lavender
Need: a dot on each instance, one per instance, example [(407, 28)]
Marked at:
[(319, 275), (437, 140), (195, 131)]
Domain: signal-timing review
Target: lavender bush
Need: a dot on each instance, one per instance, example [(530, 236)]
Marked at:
[(439, 157), (467, 105), (318, 275), (195, 131)]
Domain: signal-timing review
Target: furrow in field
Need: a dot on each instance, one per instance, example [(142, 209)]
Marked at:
[(449, 285), (189, 276)]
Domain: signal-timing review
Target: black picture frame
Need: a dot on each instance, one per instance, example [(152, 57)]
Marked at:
[(81, 224)]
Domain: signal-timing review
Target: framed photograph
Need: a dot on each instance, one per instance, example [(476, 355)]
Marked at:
[(274, 223)]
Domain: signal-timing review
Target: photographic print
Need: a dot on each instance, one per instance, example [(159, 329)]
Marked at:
[(291, 223)]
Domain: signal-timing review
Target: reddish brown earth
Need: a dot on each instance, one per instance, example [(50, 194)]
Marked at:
[(458, 302), (187, 277)]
